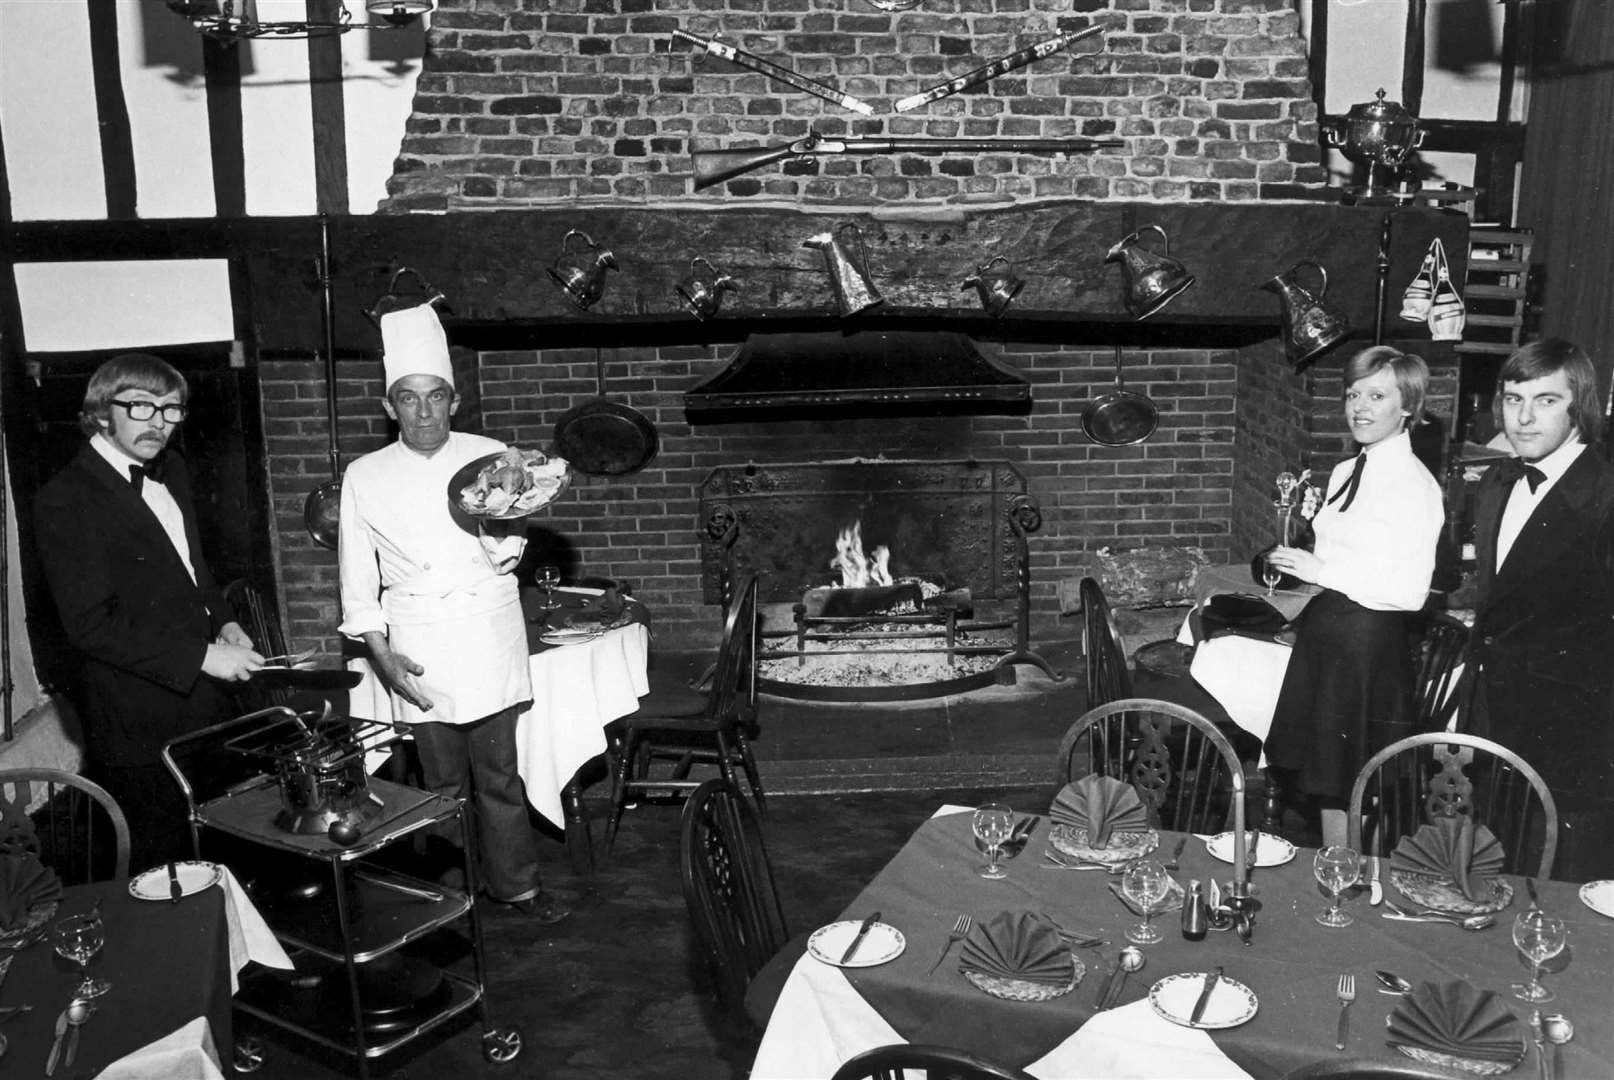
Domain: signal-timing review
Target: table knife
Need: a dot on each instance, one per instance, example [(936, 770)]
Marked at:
[(56, 1044), (862, 932), (1375, 888), (174, 891), (1204, 996)]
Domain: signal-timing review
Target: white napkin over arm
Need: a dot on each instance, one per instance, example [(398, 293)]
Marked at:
[(251, 940)]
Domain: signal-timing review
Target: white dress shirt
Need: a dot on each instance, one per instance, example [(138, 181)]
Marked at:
[(1381, 552), (1522, 502), (155, 495)]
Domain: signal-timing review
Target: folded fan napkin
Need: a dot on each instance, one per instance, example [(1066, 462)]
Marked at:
[(1021, 945), (1454, 1018), (1100, 805), (1453, 847), (24, 883)]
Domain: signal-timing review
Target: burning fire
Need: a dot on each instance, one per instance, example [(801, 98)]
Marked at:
[(858, 570)]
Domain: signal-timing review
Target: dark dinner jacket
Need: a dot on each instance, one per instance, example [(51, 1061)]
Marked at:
[(1544, 630), (139, 622)]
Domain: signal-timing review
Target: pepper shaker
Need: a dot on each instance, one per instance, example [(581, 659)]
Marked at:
[(1195, 920)]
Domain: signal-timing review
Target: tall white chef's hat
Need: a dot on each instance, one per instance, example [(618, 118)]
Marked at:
[(413, 343)]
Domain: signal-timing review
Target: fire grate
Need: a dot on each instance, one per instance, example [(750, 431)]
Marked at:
[(958, 526)]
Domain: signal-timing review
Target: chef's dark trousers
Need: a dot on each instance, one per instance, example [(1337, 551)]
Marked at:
[(477, 763)]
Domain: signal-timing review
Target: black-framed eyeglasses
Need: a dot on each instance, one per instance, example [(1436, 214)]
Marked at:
[(145, 410)]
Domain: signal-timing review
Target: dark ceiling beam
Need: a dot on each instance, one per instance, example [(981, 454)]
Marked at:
[(112, 111), (328, 109), (221, 67)]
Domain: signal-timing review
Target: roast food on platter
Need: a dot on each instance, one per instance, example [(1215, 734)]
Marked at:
[(513, 484)]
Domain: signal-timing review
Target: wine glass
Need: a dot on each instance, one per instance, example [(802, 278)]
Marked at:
[(1145, 883), (992, 824), (78, 938), (1540, 937), (1336, 868), (548, 577), (1269, 574)]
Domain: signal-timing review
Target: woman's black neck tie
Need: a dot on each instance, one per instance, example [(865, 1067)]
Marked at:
[(1352, 482)]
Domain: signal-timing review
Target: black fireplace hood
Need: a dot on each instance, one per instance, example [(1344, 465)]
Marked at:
[(864, 373)]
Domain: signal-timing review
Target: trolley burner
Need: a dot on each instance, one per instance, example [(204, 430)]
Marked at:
[(319, 762)]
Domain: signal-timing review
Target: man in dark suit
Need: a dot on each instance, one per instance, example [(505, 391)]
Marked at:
[(1544, 621), (116, 533)]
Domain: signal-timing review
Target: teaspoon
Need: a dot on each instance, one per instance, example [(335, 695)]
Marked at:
[(1392, 983), (1130, 960), (1558, 1030)]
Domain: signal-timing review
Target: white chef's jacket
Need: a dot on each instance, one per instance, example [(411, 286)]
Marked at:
[(443, 596)]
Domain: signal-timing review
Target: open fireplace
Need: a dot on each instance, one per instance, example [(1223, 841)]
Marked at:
[(881, 580)]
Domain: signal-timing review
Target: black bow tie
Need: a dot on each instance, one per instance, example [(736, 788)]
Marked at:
[(138, 474), (1348, 489), (1514, 469)]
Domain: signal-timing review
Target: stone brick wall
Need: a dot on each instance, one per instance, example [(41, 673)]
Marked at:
[(525, 102)]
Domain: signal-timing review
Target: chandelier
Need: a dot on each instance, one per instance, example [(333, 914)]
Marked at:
[(232, 20)]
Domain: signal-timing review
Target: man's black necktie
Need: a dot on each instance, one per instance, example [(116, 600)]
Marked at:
[(1348, 489), (139, 473), (1515, 469)]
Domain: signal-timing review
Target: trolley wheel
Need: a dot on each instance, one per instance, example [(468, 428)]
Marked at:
[(501, 1045), (247, 1056)]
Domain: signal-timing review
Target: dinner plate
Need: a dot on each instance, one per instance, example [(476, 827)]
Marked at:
[(1231, 1002), (194, 876), (1124, 846), (1599, 896), (882, 944), (1012, 989), (1442, 894), (1271, 851), (466, 475), (569, 636)]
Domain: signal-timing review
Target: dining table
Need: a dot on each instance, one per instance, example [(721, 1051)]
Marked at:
[(586, 673), (1242, 671), (827, 1013), (172, 967)]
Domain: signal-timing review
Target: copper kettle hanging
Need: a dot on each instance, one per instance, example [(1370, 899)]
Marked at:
[(1309, 328), (579, 276), (997, 288), (1152, 279)]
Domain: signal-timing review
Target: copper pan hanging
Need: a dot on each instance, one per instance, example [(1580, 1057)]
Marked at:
[(1120, 417), (322, 510)]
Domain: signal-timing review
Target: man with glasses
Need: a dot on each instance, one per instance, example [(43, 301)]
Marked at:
[(116, 533)]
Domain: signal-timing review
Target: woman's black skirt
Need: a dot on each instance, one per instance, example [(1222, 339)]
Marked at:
[(1347, 693)]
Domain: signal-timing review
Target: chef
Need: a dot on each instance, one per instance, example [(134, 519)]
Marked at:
[(438, 610)]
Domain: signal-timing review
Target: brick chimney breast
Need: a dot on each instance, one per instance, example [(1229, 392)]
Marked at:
[(525, 103)]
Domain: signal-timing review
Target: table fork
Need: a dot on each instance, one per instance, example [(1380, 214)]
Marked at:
[(960, 928), (1347, 994)]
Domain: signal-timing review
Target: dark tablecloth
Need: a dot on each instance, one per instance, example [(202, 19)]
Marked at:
[(167, 963), (1293, 965)]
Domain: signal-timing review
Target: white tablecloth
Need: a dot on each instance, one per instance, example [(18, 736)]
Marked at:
[(189, 1053), (577, 690), (820, 1021)]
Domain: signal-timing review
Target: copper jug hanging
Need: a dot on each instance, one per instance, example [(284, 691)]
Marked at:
[(581, 274), (1309, 328), (1151, 279), (702, 291), (997, 288), (848, 274)]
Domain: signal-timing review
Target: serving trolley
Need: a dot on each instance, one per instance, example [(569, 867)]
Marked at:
[(353, 925)]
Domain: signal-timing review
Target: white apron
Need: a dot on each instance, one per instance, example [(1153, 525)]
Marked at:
[(475, 665)]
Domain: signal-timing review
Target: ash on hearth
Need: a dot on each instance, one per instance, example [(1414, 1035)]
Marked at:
[(886, 659)]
